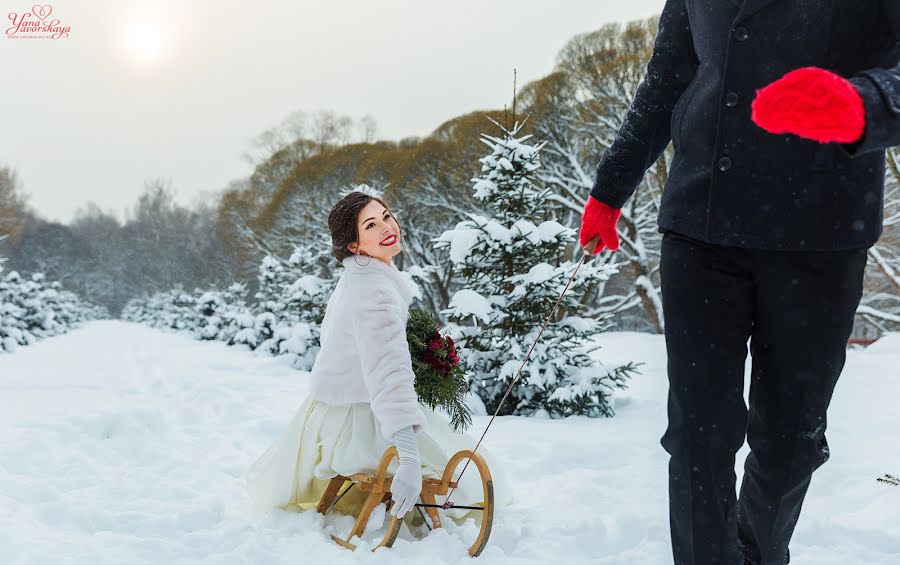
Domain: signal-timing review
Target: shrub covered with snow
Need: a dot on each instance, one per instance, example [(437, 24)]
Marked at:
[(33, 307), (284, 318), (208, 314), (171, 309), (291, 302)]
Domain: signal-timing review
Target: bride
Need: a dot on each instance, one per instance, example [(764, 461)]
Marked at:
[(361, 398)]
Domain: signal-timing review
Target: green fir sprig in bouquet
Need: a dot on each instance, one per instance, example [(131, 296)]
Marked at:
[(440, 381)]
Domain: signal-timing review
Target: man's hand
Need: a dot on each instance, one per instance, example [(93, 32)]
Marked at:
[(599, 219), (813, 103)]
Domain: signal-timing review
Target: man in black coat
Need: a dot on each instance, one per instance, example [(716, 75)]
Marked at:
[(779, 112)]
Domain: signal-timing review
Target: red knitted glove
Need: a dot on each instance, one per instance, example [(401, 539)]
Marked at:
[(812, 103), (599, 219)]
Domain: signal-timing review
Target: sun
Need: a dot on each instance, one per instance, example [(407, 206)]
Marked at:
[(145, 42)]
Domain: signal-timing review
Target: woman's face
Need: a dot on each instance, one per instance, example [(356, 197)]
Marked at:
[(379, 233)]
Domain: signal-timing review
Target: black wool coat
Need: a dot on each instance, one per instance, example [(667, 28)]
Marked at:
[(731, 182)]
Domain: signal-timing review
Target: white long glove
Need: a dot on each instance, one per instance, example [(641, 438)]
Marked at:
[(407, 482)]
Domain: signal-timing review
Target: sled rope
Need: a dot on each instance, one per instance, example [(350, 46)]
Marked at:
[(423, 518), (587, 253)]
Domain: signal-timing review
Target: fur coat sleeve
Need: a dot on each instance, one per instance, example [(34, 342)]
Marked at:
[(379, 328)]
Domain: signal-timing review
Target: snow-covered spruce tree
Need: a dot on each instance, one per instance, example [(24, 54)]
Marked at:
[(269, 307), (170, 309), (208, 314), (137, 310), (513, 269), (238, 318), (140, 309), (267, 303), (291, 302), (182, 311), (35, 315), (49, 309), (13, 331), (209, 306), (311, 283), (33, 308), (173, 309), (270, 286)]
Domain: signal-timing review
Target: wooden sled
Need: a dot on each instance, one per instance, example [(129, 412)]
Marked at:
[(379, 488)]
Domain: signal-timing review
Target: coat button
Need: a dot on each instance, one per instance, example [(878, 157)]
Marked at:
[(724, 163), (731, 99), (741, 33)]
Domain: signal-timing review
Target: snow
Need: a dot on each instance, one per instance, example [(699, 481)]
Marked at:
[(469, 233), (538, 274), (551, 230), (120, 443), (889, 344), (548, 231), (461, 240), (496, 230), (468, 302), (307, 284), (483, 188), (578, 323)]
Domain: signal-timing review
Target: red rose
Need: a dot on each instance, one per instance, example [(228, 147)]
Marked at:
[(440, 354)]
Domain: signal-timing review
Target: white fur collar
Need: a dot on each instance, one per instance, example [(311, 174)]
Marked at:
[(368, 266)]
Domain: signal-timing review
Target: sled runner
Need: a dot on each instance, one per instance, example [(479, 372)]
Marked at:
[(379, 488)]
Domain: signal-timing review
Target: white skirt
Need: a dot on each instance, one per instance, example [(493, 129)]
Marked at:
[(323, 441)]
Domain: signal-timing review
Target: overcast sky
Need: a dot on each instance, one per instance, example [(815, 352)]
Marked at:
[(177, 89)]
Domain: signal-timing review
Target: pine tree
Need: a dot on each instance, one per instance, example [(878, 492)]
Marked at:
[(269, 296), (238, 326), (13, 332), (310, 283), (513, 271), (291, 301), (33, 308), (209, 307)]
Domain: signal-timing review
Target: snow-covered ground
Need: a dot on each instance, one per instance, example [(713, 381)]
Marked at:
[(124, 444)]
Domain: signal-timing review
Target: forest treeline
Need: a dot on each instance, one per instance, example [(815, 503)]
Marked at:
[(302, 165)]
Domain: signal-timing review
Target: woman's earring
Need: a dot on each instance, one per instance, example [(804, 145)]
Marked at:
[(364, 255)]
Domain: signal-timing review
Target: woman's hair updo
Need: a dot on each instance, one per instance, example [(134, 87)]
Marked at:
[(342, 222)]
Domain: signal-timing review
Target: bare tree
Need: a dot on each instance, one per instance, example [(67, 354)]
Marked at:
[(879, 307), (329, 129), (579, 109), (367, 128), (12, 204)]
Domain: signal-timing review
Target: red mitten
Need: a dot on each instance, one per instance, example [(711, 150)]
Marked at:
[(812, 103), (601, 219)]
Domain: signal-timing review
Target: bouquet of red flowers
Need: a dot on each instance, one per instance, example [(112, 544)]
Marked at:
[(440, 381)]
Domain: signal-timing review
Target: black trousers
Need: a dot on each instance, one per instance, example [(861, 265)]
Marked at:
[(796, 308)]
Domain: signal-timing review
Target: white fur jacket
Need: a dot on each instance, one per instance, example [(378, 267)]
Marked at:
[(364, 355)]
